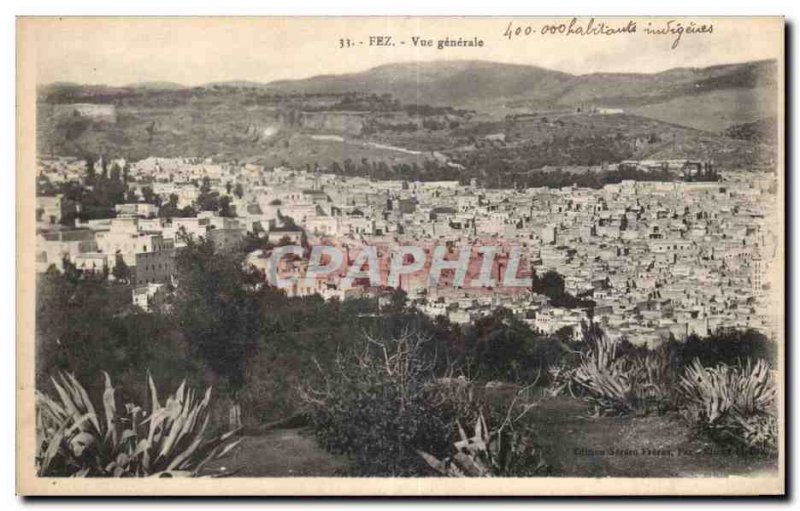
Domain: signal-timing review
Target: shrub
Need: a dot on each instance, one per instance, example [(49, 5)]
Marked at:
[(504, 452), (728, 346), (502, 347), (733, 404), (74, 439), (459, 395), (561, 377), (378, 408)]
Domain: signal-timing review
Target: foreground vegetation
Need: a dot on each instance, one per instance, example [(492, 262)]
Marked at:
[(75, 439), (732, 404), (386, 403), (379, 383)]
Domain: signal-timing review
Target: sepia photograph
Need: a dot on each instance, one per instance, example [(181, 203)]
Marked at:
[(407, 256)]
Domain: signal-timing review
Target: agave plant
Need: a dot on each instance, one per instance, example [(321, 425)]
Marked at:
[(609, 389), (604, 377), (653, 381), (735, 403), (74, 439), (617, 384), (504, 452)]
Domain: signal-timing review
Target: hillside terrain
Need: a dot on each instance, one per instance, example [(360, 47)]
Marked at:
[(749, 89), (454, 120)]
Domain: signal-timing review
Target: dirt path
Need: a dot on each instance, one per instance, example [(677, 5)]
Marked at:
[(279, 453)]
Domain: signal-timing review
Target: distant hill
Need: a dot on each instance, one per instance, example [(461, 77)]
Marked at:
[(450, 83), (762, 131), (710, 98), (721, 112), (237, 83), (156, 86)]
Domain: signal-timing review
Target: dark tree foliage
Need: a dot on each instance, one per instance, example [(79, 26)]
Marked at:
[(502, 347), (551, 285), (121, 270), (238, 190), (99, 202), (208, 201), (253, 241), (226, 209), (171, 209), (44, 187), (728, 346), (150, 197), (218, 309), (86, 325), (377, 408), (97, 198)]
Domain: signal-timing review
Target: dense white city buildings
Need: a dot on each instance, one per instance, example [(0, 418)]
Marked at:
[(659, 259)]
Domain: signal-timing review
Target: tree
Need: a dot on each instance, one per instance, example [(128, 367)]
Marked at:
[(90, 173), (170, 209), (218, 310), (225, 208), (501, 347), (104, 168), (121, 272), (208, 201), (551, 284), (564, 333), (71, 272), (205, 186), (116, 172), (151, 197), (238, 191), (86, 325)]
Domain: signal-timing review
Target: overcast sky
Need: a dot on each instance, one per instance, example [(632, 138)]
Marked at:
[(194, 51)]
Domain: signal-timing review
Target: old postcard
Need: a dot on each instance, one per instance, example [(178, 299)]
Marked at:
[(400, 256)]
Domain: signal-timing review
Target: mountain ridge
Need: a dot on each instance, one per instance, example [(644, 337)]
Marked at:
[(692, 96), (265, 84)]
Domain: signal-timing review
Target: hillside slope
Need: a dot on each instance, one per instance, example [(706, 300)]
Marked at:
[(451, 83), (711, 98)]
